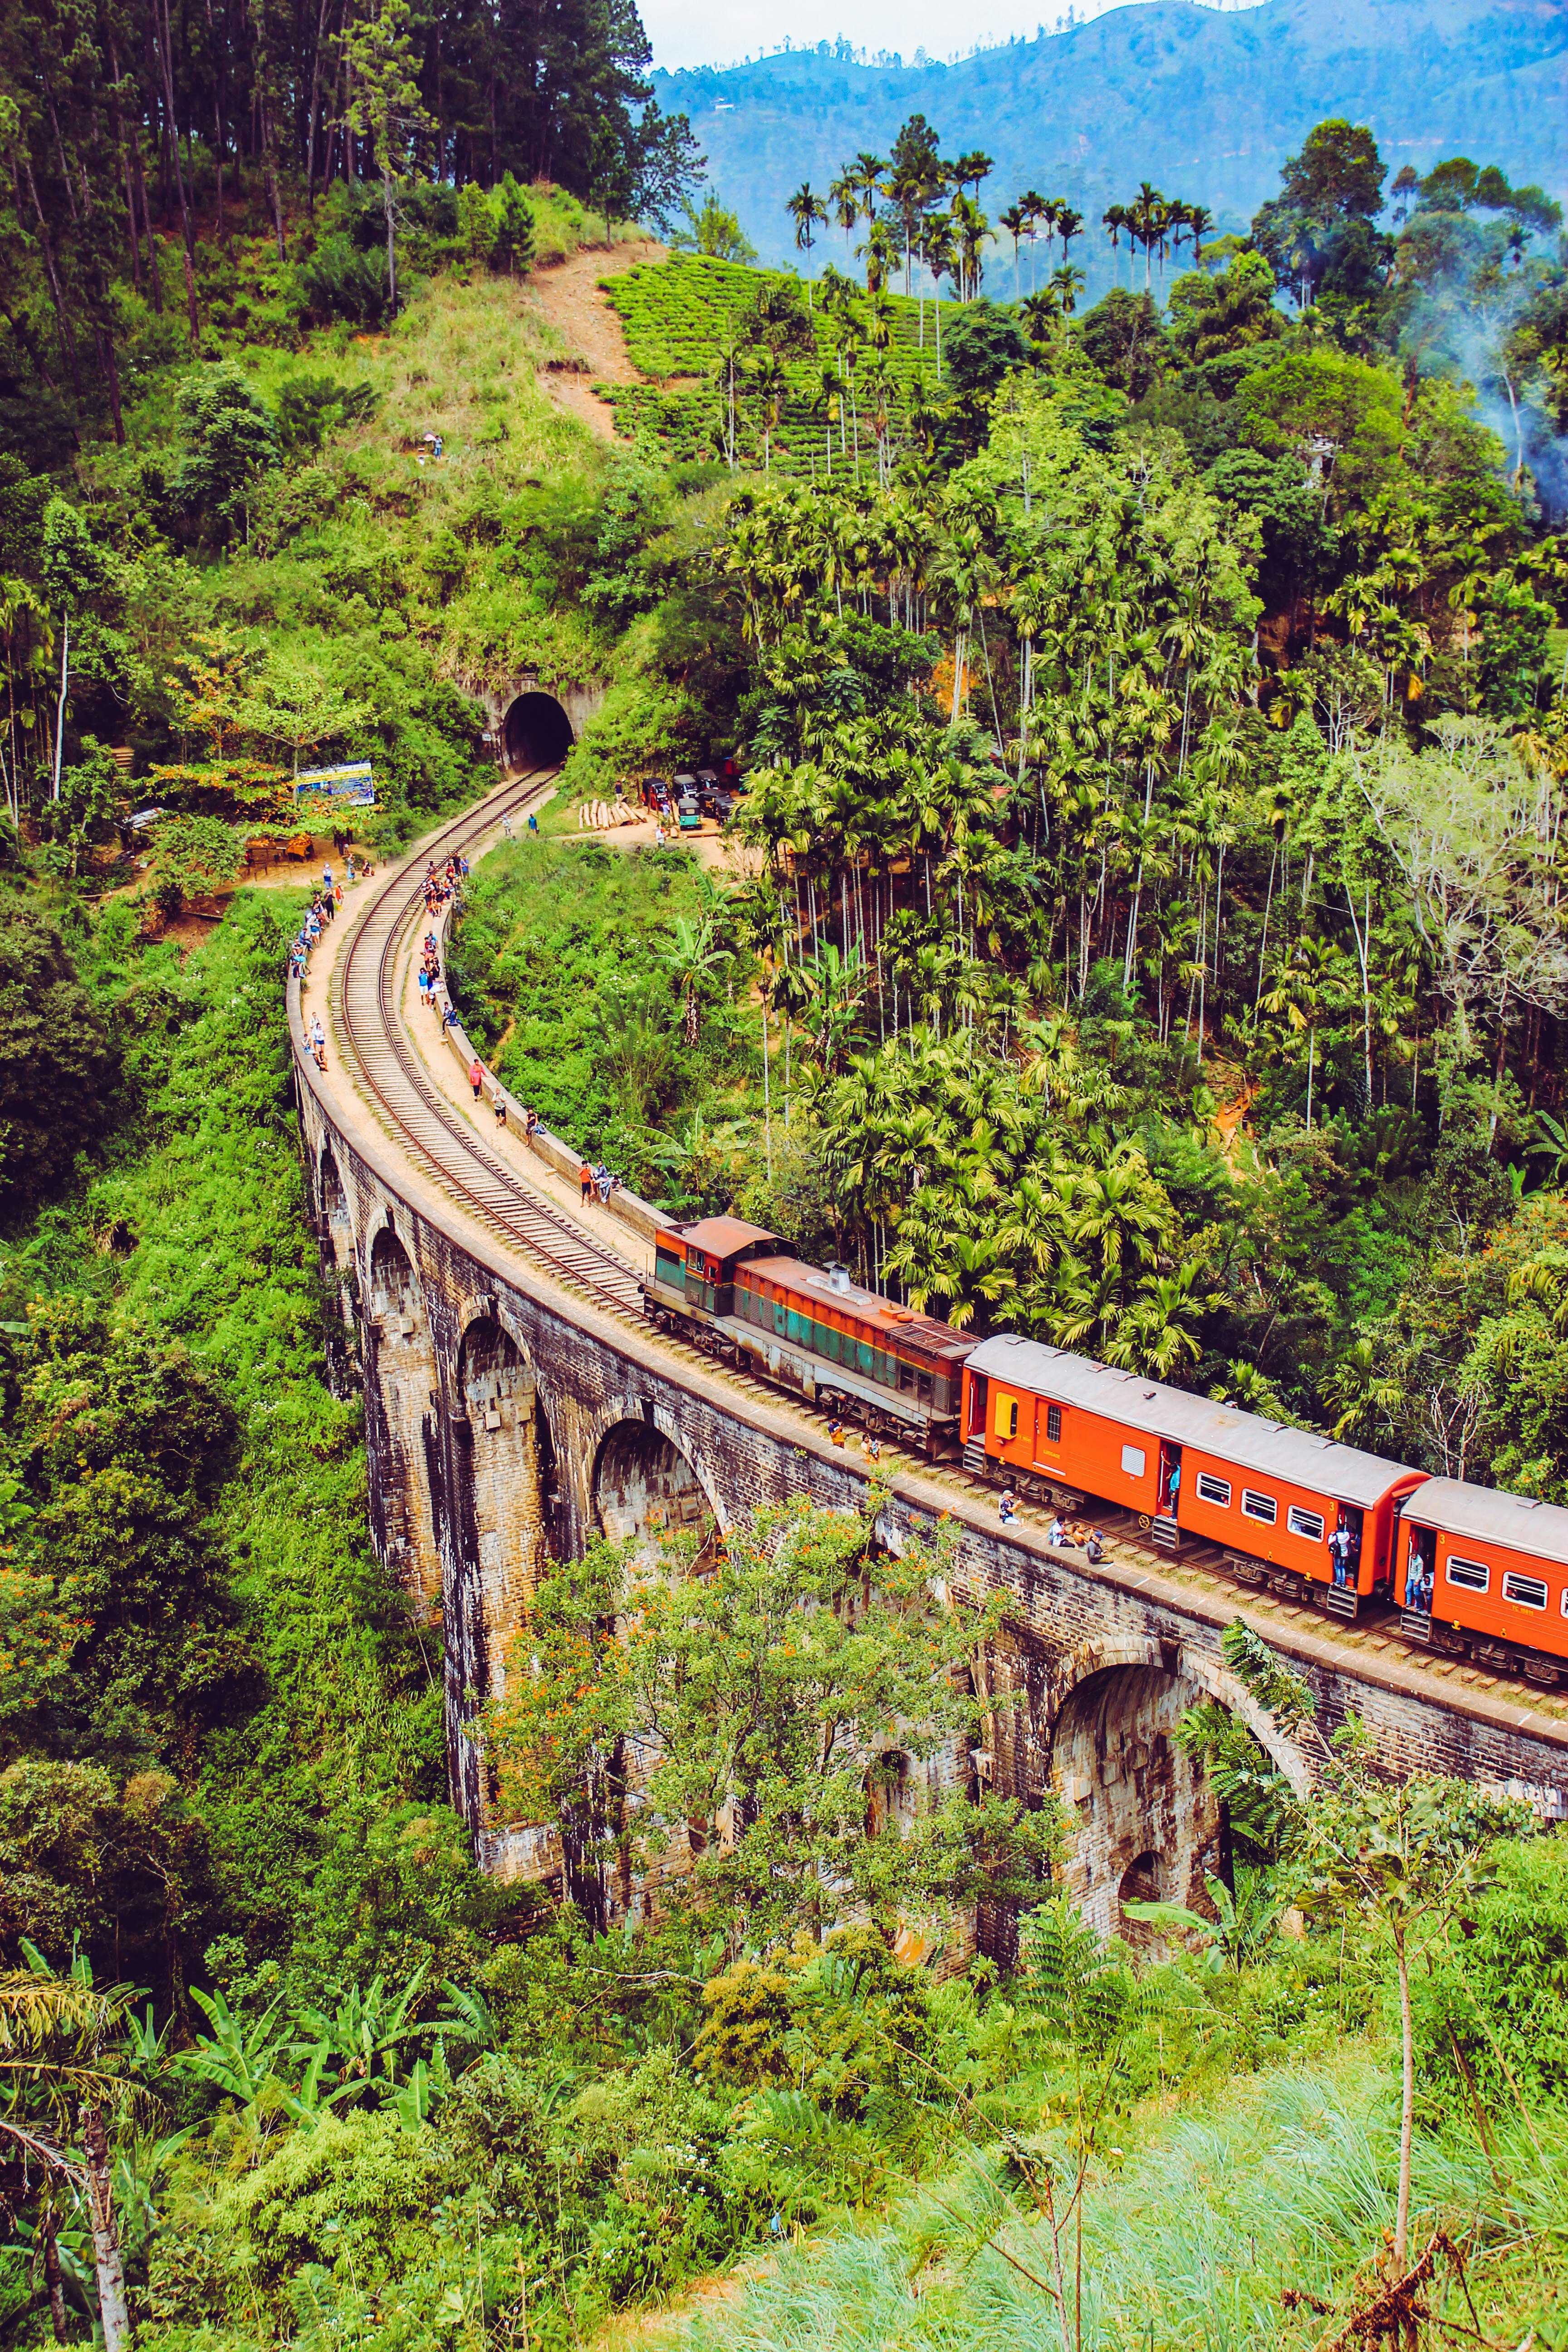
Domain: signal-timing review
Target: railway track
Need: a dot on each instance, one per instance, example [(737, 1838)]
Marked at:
[(438, 1138)]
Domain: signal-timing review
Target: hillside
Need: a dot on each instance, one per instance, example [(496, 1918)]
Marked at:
[(1202, 103)]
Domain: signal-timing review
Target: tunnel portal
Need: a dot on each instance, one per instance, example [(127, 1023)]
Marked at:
[(536, 732)]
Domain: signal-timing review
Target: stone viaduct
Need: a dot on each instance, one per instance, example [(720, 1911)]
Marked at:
[(509, 1416)]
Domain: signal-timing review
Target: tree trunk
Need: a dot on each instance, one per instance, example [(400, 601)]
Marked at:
[(166, 61), (391, 243), (114, 2308), (64, 688), (1407, 2110), (56, 2292)]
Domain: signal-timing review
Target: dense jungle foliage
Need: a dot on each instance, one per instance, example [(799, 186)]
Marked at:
[(1155, 748)]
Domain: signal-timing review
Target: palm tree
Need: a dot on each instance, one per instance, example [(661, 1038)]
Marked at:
[(694, 956), (941, 261), (1068, 225), (1067, 284), (1199, 222), (1117, 218), (867, 174), (54, 2080), (807, 209), (1311, 985), (1035, 210), (1015, 220), (879, 255), (1042, 311), (843, 198), (1145, 213), (972, 230), (830, 390), (975, 166)]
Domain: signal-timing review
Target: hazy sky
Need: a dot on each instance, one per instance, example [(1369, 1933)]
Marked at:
[(718, 32)]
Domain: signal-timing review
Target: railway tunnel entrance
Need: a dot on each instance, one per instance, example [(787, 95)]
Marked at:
[(535, 732)]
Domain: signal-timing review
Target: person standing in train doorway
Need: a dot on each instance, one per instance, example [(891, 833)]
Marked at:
[(1175, 1489)]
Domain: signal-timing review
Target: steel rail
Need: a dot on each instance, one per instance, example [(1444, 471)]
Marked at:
[(437, 1137)]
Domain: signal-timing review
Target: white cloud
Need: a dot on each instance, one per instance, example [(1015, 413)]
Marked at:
[(721, 32)]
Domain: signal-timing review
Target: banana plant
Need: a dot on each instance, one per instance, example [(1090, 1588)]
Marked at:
[(240, 2055), (1245, 1922)]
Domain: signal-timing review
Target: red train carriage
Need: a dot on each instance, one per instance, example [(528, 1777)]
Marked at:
[(1289, 1508), (810, 1328), (1485, 1574)]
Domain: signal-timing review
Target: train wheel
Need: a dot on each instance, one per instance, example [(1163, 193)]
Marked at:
[(1144, 1521)]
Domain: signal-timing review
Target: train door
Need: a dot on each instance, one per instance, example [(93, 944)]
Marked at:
[(978, 1389), (1348, 1552), (1170, 1479)]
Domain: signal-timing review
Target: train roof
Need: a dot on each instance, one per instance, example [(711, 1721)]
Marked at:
[(1245, 1439), (722, 1236), (868, 1306), (1520, 1523)]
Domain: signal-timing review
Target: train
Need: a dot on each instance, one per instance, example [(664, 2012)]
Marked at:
[(1470, 1571), (737, 1289)]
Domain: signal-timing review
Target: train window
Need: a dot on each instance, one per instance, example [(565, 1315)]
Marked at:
[(1305, 1523), (1133, 1460), (906, 1374), (922, 1388), (1006, 1422), (1214, 1490), (1053, 1424), (1524, 1591), (1258, 1506), (1471, 1573)]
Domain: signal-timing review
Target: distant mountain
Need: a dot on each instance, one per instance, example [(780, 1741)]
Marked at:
[(1205, 105)]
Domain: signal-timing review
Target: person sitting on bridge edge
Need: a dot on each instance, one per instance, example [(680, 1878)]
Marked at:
[(1093, 1549), (477, 1077), (873, 1446), (1056, 1535), (836, 1432), (1008, 1506)]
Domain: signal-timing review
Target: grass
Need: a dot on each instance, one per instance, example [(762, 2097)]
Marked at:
[(1284, 2182)]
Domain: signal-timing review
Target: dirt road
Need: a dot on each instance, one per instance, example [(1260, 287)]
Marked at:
[(568, 294)]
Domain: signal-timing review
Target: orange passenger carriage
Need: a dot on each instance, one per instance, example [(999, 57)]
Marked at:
[(1289, 1508), (1483, 1574)]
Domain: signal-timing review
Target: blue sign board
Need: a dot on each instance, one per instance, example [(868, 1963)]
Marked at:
[(352, 783)]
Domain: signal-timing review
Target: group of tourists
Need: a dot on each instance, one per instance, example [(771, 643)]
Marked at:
[(430, 976), (871, 1444), (323, 906), (441, 883), (1062, 1535)]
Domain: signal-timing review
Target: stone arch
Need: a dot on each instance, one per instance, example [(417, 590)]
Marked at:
[(1214, 1679), (1143, 1820), (401, 1387), (340, 1273), (535, 732), (644, 1486)]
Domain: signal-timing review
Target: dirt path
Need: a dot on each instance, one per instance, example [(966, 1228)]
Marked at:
[(568, 294)]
